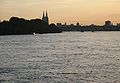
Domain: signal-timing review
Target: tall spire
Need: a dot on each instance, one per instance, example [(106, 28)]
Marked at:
[(46, 14), (45, 18), (43, 14)]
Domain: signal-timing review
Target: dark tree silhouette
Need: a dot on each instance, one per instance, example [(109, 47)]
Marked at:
[(21, 26)]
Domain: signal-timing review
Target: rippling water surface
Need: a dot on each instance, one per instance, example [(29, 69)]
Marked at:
[(70, 57)]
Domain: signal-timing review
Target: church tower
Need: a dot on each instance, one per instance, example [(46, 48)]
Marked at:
[(45, 18)]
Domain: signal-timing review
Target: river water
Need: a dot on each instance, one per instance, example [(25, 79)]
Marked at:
[(68, 57)]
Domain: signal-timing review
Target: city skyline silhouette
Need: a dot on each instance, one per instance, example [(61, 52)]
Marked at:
[(69, 11)]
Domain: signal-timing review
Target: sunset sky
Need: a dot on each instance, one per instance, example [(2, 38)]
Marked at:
[(70, 11)]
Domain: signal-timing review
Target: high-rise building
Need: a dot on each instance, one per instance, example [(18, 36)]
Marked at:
[(108, 23), (45, 18)]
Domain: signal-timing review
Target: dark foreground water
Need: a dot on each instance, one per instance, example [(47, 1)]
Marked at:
[(71, 57)]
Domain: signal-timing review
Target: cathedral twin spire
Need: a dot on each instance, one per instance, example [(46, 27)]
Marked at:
[(45, 18)]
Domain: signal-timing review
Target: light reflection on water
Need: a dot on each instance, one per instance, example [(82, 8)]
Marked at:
[(70, 57)]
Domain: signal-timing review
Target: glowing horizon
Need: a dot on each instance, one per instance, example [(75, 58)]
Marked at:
[(69, 11)]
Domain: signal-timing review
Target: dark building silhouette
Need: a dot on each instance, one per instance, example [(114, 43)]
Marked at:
[(45, 18), (108, 26), (65, 23), (59, 24), (108, 23), (77, 24), (118, 24)]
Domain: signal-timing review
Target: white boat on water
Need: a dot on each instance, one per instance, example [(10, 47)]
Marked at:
[(34, 34)]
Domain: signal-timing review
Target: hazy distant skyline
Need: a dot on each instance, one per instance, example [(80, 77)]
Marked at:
[(70, 11)]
